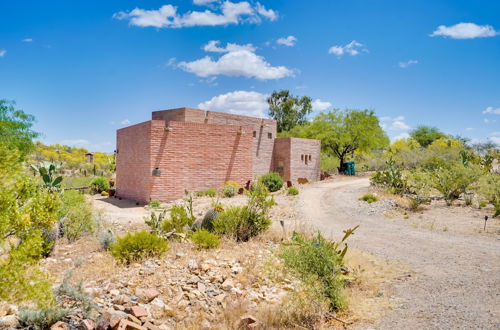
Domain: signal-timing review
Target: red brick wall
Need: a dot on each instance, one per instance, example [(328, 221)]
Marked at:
[(133, 170), (294, 154), (262, 148), (197, 156)]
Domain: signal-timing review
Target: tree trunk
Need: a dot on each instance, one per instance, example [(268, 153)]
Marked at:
[(342, 168)]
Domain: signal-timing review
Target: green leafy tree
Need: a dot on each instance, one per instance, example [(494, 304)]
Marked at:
[(288, 110), (15, 128), (425, 135), (344, 132)]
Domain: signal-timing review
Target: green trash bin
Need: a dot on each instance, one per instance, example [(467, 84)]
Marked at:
[(351, 169)]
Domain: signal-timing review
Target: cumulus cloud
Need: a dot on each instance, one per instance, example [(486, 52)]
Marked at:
[(238, 102), (465, 31), (168, 17), (353, 48), (404, 135), (289, 41), (394, 123), (319, 105), (238, 60), (27, 40), (406, 64), (2, 52), (204, 2), (491, 110), (213, 46)]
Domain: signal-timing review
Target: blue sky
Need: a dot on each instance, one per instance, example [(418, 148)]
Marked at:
[(86, 68)]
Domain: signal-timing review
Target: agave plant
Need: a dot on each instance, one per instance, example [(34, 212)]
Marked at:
[(47, 171)]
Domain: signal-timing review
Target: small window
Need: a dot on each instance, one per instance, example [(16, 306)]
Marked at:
[(254, 133), (269, 135), (306, 159), (309, 157), (302, 157)]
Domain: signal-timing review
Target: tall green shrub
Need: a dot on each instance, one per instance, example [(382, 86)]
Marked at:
[(273, 181), (134, 247)]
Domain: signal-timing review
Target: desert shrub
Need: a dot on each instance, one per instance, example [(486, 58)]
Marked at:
[(76, 213), (329, 163), (318, 261), (106, 238), (208, 219), (293, 191), (483, 204), (369, 198), (138, 246), (414, 202), (211, 192), (273, 181), (154, 204), (104, 193), (244, 222), (179, 219), (234, 184), (392, 177), (489, 188), (100, 183), (204, 239), (200, 193), (229, 190), (42, 318)]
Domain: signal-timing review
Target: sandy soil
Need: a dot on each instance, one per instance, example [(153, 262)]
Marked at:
[(455, 272)]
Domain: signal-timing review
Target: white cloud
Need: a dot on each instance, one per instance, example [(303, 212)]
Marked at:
[(204, 2), (238, 62), (167, 17), (319, 105), (27, 40), (213, 46), (400, 136), (2, 52), (394, 123), (406, 64), (239, 102), (270, 14), (465, 31), (353, 48), (491, 110), (75, 143), (469, 128), (125, 122), (289, 41), (488, 121)]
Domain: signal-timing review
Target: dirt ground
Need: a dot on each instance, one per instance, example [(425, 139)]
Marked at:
[(455, 272)]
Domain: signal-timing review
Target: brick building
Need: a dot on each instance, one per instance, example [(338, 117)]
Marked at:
[(191, 149)]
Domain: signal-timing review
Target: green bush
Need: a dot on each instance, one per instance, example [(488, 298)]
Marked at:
[(205, 239), (77, 214), (244, 222), (273, 181), (42, 318), (293, 191), (369, 198), (211, 192), (489, 188), (318, 262), (154, 204), (106, 238), (392, 177), (483, 204), (176, 220), (138, 246), (229, 190), (100, 183)]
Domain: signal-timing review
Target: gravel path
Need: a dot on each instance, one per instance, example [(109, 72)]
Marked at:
[(457, 277)]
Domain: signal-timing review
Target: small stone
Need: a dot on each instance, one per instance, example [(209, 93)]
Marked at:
[(86, 325), (134, 319), (201, 287), (157, 307), (168, 311), (134, 298), (227, 285), (60, 325), (114, 292), (149, 264), (127, 325), (150, 326), (150, 294), (180, 255), (248, 322), (193, 280), (114, 321), (138, 311), (120, 299), (205, 324)]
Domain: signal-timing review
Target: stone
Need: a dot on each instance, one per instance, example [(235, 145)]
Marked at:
[(134, 319), (180, 255), (127, 325), (192, 265), (157, 307), (227, 285), (120, 299), (150, 294), (138, 311), (114, 292), (248, 322), (205, 324), (114, 321), (193, 280), (150, 326), (169, 311), (165, 327), (59, 325), (86, 325), (202, 287)]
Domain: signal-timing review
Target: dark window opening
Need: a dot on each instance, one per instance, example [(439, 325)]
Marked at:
[(254, 133), (309, 157), (302, 157), (269, 135)]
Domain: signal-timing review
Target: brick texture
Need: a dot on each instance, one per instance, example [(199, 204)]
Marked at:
[(296, 158)]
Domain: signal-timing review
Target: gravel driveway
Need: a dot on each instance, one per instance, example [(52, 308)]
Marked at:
[(456, 284)]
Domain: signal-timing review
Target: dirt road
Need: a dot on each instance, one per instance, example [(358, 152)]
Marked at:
[(456, 282)]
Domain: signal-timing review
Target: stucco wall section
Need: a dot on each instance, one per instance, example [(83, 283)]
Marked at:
[(133, 170), (299, 166), (281, 158), (197, 156)]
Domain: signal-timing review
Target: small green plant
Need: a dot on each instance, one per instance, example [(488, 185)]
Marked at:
[(42, 318), (392, 177), (200, 194), (154, 204), (293, 191), (272, 180), (76, 214), (369, 198), (468, 200), (318, 262), (104, 193), (100, 184), (414, 203), (229, 190), (483, 204), (178, 220), (204, 239), (47, 171), (134, 247), (106, 238), (211, 192)]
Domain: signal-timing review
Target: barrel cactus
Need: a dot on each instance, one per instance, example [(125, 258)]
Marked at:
[(207, 221)]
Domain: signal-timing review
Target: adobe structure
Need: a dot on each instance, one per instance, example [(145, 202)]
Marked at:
[(191, 149)]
